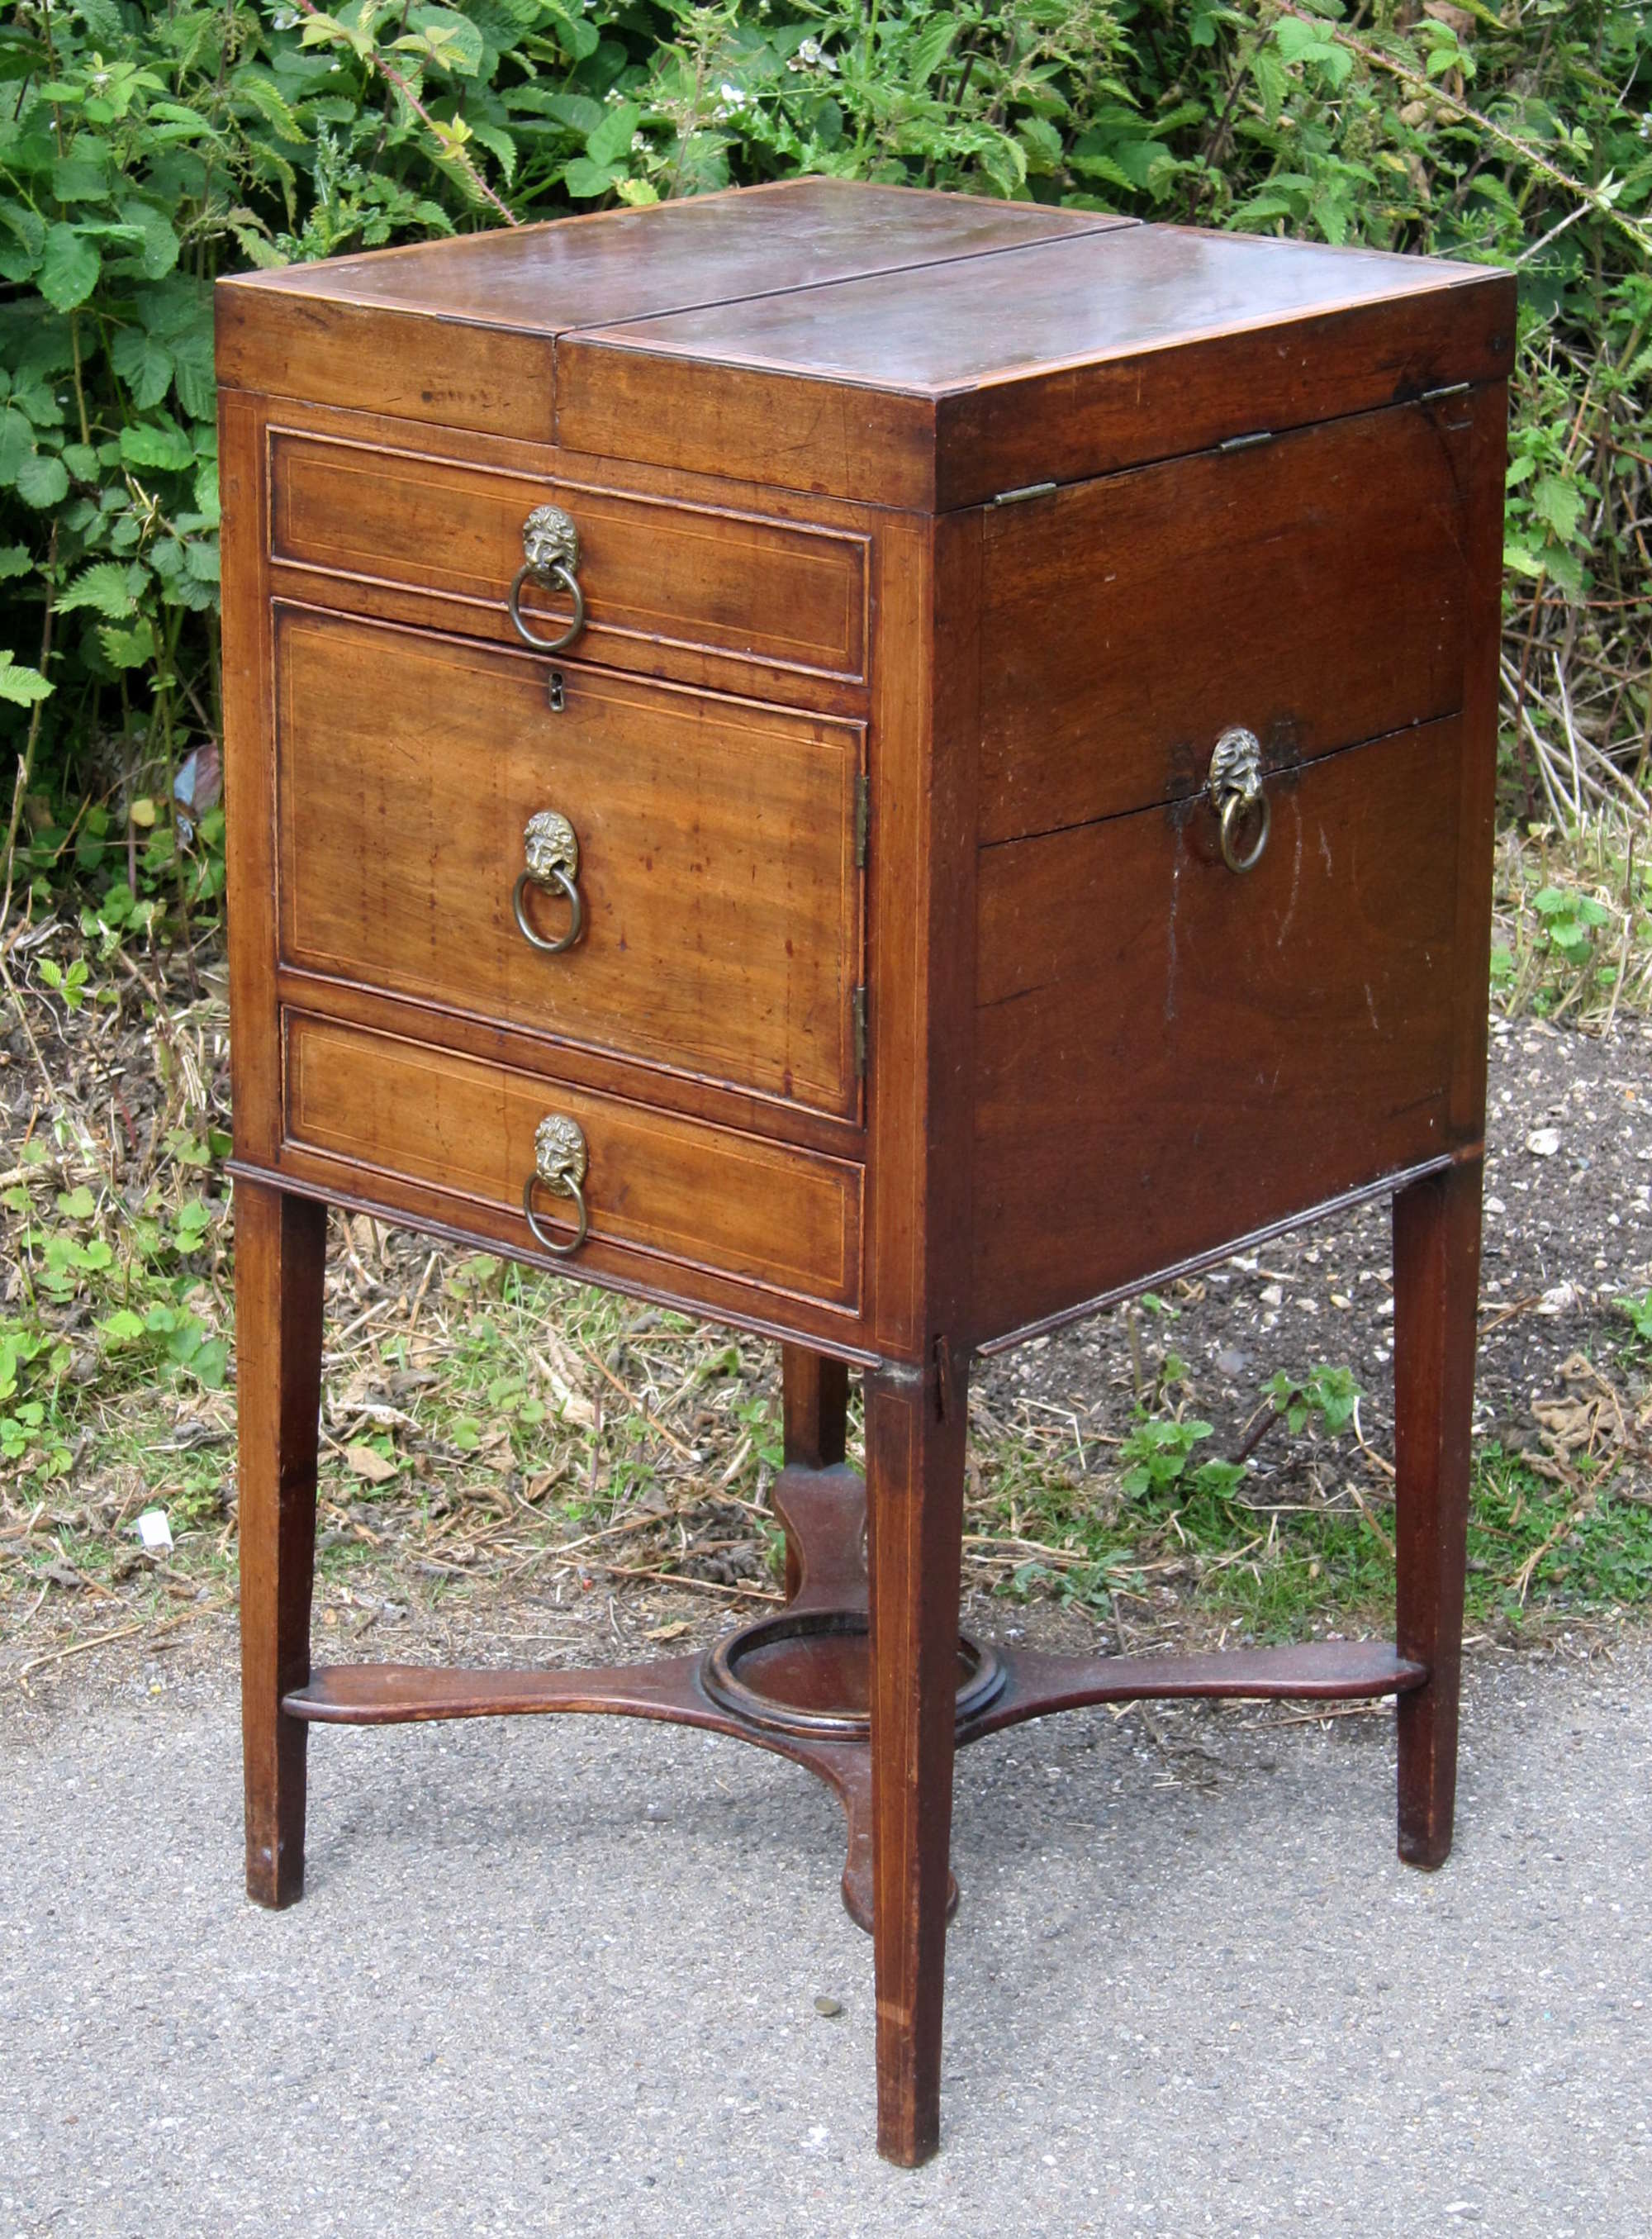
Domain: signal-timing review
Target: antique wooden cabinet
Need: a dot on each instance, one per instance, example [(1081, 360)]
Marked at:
[(886, 768)]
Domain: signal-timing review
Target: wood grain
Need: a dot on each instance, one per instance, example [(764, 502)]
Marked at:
[(661, 578), (1437, 1284), (1319, 581), (281, 1251), (463, 332), (915, 1433), (1053, 362), (1153, 1028), (722, 903), (660, 1189)]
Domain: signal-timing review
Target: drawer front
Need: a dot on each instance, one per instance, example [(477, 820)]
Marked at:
[(1170, 1055), (1311, 588), (419, 1125), (662, 582), (716, 879)]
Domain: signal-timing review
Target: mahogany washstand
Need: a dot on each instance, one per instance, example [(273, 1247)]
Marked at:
[(886, 768)]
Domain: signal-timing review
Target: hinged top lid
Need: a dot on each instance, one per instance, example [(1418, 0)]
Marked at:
[(906, 347)]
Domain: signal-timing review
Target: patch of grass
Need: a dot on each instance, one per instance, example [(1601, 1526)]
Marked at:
[(1280, 1559), (1572, 932)]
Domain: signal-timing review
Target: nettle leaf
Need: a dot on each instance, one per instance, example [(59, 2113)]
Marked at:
[(929, 49), (43, 480), (15, 560), (143, 366), (69, 268), (21, 686), (127, 648), (111, 589), (1558, 503)]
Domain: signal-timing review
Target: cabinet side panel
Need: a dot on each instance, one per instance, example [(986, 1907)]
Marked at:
[(1169, 1055), (249, 780)]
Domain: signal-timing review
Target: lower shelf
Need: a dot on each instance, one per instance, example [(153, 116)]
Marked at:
[(799, 1681)]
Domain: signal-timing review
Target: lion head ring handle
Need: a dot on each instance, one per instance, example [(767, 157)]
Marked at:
[(558, 1166), (1235, 788), (550, 555), (551, 851)]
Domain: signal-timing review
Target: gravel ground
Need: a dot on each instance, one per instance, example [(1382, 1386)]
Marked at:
[(561, 1976)]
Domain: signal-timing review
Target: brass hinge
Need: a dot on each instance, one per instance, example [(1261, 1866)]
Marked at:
[(862, 819), (1027, 490), (858, 1013)]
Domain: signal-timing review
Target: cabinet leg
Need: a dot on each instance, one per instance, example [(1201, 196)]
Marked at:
[(281, 1250), (1436, 1283), (915, 1494), (814, 1394)]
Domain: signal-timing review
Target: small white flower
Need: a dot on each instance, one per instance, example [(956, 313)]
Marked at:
[(734, 98), (639, 144), (286, 19), (811, 55)]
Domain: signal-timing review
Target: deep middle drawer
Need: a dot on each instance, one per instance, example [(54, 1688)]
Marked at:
[(714, 867)]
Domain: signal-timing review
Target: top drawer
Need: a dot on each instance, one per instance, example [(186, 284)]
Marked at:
[(1309, 589), (664, 584)]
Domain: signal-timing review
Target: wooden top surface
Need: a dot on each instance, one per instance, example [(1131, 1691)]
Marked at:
[(1072, 301), (905, 349), (712, 249)]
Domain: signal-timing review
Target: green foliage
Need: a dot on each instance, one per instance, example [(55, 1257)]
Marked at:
[(135, 1281), (146, 148), (1326, 1397)]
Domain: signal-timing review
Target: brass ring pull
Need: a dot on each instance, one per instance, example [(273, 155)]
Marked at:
[(559, 1163), (1234, 788), (552, 851), (1235, 809), (550, 555)]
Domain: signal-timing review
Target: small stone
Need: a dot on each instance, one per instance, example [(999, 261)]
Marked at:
[(1232, 1362), (829, 2007), (1543, 1142)]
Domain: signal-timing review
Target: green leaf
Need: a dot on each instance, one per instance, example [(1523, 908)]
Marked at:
[(611, 142), (109, 587), (142, 365), (122, 1326), (15, 560), (127, 648), (76, 1204), (583, 179), (452, 41), (68, 268), (21, 687), (159, 243), (1559, 503), (42, 479), (160, 444)]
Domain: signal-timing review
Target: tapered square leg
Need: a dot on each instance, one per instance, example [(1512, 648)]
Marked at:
[(1437, 1284), (281, 1250), (915, 1428)]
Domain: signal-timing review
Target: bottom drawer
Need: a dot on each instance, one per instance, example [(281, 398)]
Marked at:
[(659, 1188)]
